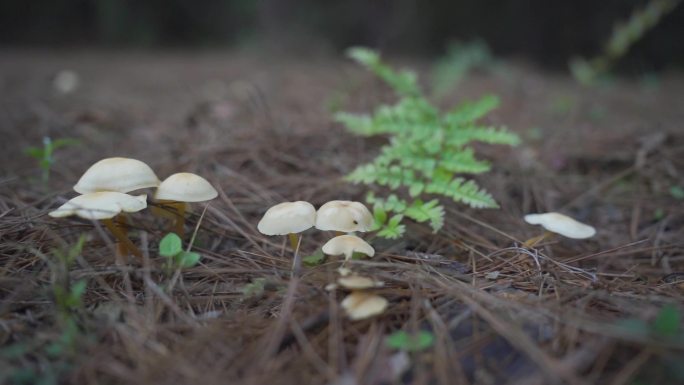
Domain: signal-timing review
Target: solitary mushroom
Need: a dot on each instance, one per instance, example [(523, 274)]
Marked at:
[(104, 206), (179, 189), (347, 245), (361, 305), (116, 174), (289, 218), (344, 216), (560, 224)]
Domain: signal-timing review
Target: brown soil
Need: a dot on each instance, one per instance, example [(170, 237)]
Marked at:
[(259, 128)]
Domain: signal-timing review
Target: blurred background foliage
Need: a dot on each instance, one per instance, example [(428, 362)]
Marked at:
[(548, 32)]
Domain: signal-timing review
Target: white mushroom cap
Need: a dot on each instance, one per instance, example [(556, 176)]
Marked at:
[(360, 305), (101, 205), (116, 174), (561, 224), (347, 245), (346, 216), (288, 218), (359, 282), (185, 187)]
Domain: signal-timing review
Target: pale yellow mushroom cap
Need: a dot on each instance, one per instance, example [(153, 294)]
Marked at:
[(346, 216), (347, 245), (287, 218), (116, 174), (561, 224), (361, 305), (358, 282), (185, 187), (101, 205)]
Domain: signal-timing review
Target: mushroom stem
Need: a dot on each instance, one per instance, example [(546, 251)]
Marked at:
[(294, 240), (128, 246), (179, 227), (538, 239)]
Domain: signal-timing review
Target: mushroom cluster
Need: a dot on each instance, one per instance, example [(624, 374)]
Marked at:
[(104, 189), (344, 218)]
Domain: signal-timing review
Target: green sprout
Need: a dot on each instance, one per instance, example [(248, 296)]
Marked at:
[(401, 340), (625, 35), (45, 154), (171, 247)]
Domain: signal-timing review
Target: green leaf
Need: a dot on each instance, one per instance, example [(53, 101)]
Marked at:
[(34, 152), (394, 229), (170, 245), (186, 259), (402, 340), (379, 216), (315, 259), (431, 211), (255, 288), (677, 192), (668, 321), (77, 290)]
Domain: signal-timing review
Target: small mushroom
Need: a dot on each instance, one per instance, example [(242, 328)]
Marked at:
[(361, 305), (347, 244), (344, 216), (116, 174), (179, 189), (560, 224), (288, 218), (105, 206), (358, 282)]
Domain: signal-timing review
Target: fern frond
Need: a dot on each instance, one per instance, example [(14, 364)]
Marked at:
[(463, 161), (431, 211), (469, 112), (462, 190), (405, 83), (485, 134)]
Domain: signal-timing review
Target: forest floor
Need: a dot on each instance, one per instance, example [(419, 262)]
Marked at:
[(603, 310)]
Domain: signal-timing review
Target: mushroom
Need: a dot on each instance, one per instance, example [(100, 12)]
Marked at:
[(560, 224), (116, 174), (179, 189), (347, 244), (104, 206), (289, 218), (344, 216), (358, 282), (361, 305)]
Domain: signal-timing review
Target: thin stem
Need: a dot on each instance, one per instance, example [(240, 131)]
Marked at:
[(538, 239), (180, 218), (121, 237), (294, 240)]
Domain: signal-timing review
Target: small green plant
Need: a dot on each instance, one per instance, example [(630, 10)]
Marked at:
[(68, 296), (171, 247), (624, 35), (427, 151), (402, 340), (460, 59), (667, 324), (45, 154)]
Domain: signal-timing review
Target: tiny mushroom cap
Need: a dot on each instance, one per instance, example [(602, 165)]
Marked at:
[(288, 218), (347, 244), (561, 224), (100, 205), (116, 174), (346, 216), (361, 305), (185, 187), (358, 282)]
